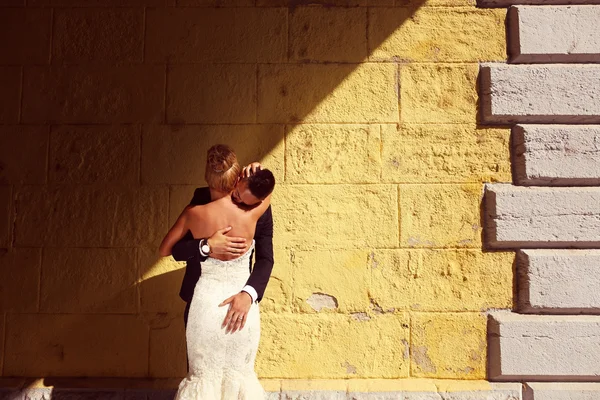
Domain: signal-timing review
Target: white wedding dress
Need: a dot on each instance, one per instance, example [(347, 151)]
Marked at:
[(221, 365)]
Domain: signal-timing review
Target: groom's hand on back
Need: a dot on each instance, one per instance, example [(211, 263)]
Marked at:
[(220, 243)]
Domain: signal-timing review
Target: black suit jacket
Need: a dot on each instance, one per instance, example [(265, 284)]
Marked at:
[(187, 249)]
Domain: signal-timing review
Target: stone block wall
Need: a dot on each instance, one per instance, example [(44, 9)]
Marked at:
[(366, 111), (550, 92)]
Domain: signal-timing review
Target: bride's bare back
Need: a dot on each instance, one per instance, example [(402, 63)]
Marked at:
[(204, 220)]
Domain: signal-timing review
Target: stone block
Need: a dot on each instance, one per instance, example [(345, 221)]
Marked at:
[(168, 358), (313, 395), (164, 394), (2, 318), (435, 3), (69, 393), (95, 154), (79, 95), (561, 391), (343, 282), (6, 216), (441, 280), (112, 35), (556, 155), (554, 34), (19, 140), (366, 211), (76, 345), (330, 93), (215, 3), (507, 3), (272, 387), (216, 35), (135, 394), (543, 347), (273, 396), (434, 153), (439, 216), (159, 282), (177, 154), (392, 278), (317, 389), (381, 3), (211, 94), (89, 281), (522, 217), (463, 280), (20, 280), (438, 93), (179, 198), (296, 3), (540, 93), (90, 216), (100, 3), (316, 346), (321, 34), (436, 34), (429, 389), (449, 345), (27, 33), (559, 281), (333, 154), (75, 394), (512, 392), (10, 96), (376, 396), (278, 295)]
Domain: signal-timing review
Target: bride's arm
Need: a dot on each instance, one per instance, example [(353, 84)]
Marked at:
[(262, 207), (176, 232)]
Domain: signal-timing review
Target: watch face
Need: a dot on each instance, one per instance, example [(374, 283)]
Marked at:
[(205, 249)]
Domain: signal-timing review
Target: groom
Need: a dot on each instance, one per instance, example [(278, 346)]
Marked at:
[(195, 251)]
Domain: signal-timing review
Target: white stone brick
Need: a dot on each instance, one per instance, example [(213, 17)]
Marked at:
[(554, 34), (540, 93), (376, 396), (562, 391), (498, 391), (532, 217), (313, 395), (543, 347), (559, 281), (556, 154)]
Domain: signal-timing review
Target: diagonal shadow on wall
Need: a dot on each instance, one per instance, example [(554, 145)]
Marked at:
[(215, 94)]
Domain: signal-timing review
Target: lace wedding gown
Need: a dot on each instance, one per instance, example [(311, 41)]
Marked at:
[(221, 364)]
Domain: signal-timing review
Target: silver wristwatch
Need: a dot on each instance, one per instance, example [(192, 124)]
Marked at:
[(204, 247)]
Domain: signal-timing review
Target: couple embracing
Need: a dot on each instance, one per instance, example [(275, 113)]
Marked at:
[(217, 234)]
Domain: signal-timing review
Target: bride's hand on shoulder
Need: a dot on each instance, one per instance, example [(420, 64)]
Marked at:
[(250, 169)]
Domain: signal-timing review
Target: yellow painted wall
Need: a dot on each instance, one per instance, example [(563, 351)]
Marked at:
[(366, 113)]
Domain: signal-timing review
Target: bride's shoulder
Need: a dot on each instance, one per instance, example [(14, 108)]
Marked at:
[(195, 211), (262, 207)]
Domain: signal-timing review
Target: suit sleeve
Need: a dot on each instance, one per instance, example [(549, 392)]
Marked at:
[(263, 264), (188, 248)]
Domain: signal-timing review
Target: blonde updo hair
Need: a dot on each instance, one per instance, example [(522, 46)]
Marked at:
[(222, 168)]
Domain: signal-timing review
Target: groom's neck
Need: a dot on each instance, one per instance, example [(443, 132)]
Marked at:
[(216, 195)]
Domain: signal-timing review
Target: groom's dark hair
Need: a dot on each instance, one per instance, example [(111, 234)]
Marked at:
[(261, 183)]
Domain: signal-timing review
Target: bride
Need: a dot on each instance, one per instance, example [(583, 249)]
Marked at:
[(221, 363)]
